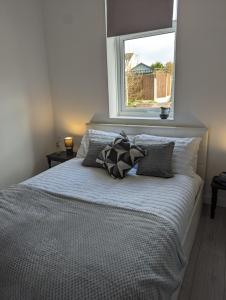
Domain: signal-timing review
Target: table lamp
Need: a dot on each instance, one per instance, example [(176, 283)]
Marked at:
[(69, 144)]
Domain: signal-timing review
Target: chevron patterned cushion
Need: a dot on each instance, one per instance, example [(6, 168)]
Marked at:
[(120, 157)]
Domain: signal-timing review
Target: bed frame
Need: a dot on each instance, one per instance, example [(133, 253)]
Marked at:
[(189, 236)]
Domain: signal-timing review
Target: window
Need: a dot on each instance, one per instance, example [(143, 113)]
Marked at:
[(141, 73)]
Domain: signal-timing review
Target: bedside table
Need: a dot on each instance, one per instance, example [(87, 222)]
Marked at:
[(61, 157), (215, 187)]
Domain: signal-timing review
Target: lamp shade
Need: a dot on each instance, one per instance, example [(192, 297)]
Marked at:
[(68, 142)]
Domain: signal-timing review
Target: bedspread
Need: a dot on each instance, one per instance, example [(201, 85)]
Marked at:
[(55, 247), (172, 199)]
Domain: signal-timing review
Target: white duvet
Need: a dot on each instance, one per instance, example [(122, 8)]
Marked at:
[(172, 198)]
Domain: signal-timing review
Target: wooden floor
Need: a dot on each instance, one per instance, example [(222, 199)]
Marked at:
[(205, 278)]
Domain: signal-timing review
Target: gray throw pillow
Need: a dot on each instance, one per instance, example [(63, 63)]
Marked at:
[(158, 160), (95, 147)]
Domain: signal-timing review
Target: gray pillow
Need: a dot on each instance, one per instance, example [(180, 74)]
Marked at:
[(95, 147), (158, 160)]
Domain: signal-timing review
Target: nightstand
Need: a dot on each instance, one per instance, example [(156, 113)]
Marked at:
[(61, 157), (215, 187)]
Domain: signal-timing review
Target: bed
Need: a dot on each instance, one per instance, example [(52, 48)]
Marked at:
[(176, 200)]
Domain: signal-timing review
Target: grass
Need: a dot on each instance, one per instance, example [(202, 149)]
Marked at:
[(143, 103)]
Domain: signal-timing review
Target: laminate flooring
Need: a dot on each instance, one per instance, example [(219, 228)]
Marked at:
[(205, 277)]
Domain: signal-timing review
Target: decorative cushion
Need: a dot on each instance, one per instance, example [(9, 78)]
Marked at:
[(97, 135), (185, 154), (158, 161), (95, 147), (120, 157)]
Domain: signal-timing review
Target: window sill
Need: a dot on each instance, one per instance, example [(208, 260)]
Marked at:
[(141, 118)]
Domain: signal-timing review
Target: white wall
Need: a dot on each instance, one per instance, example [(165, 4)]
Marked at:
[(26, 121), (78, 70), (77, 61)]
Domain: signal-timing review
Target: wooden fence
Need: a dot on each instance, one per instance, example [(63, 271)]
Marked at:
[(149, 86)]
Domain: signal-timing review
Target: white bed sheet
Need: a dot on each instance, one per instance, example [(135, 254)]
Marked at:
[(172, 198)]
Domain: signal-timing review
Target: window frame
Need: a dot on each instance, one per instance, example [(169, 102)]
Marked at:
[(116, 72)]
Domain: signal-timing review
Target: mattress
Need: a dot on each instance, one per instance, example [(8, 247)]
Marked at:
[(172, 199)]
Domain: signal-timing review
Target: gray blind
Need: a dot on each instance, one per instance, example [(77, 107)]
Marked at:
[(133, 16)]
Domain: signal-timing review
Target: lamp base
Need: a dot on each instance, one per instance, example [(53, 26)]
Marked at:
[(69, 152)]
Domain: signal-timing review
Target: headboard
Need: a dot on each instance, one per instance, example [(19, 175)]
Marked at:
[(164, 131)]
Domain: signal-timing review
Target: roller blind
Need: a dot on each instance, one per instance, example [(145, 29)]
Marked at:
[(133, 16)]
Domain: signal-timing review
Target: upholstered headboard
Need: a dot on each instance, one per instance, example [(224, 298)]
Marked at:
[(164, 131)]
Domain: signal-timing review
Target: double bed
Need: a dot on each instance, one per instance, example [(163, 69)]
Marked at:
[(175, 202)]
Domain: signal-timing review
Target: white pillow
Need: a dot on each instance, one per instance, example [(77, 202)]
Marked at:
[(97, 135), (185, 154)]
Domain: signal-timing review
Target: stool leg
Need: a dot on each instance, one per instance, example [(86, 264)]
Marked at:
[(213, 202), (49, 162)]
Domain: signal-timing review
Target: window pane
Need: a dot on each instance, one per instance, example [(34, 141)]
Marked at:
[(149, 72)]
